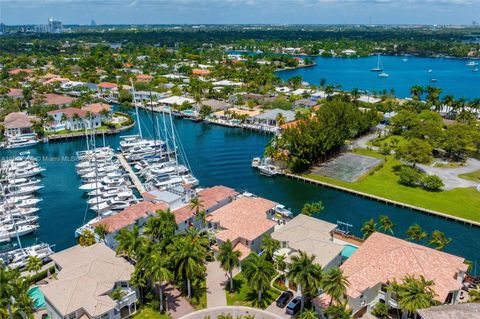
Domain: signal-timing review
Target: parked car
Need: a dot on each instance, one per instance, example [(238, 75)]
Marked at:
[(284, 298), (294, 306)]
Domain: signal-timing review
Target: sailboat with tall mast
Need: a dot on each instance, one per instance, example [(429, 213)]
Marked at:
[(379, 67)]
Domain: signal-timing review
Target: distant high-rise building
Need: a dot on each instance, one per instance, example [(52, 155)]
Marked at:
[(3, 29), (93, 23), (53, 26)]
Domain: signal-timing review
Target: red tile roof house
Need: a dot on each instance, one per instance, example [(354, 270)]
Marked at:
[(136, 214), (17, 123), (15, 93), (144, 78), (212, 199), (18, 71), (108, 90), (383, 259), (58, 100), (73, 119), (244, 222)]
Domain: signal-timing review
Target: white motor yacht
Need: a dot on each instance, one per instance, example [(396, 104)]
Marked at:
[(125, 192), (114, 204), (22, 141)]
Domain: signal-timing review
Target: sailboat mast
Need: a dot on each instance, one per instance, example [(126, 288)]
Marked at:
[(136, 109), (173, 140)]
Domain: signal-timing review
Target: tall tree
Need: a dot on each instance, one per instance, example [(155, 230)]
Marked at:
[(335, 284), (310, 209), (269, 246), (415, 293), (304, 272), (34, 264), (229, 259), (386, 224), (129, 242), (439, 240), (368, 228), (101, 230), (86, 238), (416, 233), (259, 272), (159, 271)]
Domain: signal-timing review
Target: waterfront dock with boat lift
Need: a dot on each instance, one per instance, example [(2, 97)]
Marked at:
[(385, 200), (133, 177)]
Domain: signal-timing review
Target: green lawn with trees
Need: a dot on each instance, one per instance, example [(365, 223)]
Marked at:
[(460, 202), (244, 295)]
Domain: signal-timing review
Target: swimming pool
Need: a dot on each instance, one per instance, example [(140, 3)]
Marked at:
[(38, 299), (348, 250)]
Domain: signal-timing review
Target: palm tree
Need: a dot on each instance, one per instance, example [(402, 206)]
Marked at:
[(189, 261), (158, 270), (448, 101), (129, 242), (269, 246), (259, 272), (386, 224), (280, 263), (368, 228), (229, 259), (34, 264), (311, 209), (439, 240), (341, 311), (196, 204), (305, 273), (162, 227), (355, 94), (334, 283), (329, 90), (280, 119), (474, 295), (86, 238), (416, 92), (101, 230), (414, 294), (7, 289), (308, 314), (416, 233)]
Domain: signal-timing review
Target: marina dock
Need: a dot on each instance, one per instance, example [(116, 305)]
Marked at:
[(133, 177)]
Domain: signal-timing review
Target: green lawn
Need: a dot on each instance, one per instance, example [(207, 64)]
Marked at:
[(382, 141), (472, 176), (243, 295), (149, 313), (460, 202)]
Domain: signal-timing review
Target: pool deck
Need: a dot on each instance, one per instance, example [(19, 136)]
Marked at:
[(385, 200)]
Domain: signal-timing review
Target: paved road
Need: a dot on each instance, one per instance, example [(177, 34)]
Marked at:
[(216, 281), (449, 175), (362, 142)]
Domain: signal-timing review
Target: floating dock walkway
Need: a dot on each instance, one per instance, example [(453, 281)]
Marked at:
[(133, 177)]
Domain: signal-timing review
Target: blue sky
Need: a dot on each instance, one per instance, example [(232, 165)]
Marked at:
[(241, 11)]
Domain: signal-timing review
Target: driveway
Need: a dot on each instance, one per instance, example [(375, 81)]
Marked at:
[(178, 306), (216, 281), (362, 142), (278, 311), (449, 175)]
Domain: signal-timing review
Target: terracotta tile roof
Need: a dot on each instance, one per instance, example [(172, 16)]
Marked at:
[(97, 107), (200, 72), (245, 218), (210, 197), (87, 275), (69, 112), (56, 99), (17, 120), (17, 71), (107, 85), (456, 311), (15, 93), (129, 215), (244, 250), (382, 259), (144, 77)]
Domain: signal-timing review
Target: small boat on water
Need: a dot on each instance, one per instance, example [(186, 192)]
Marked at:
[(384, 75), (472, 63), (22, 141), (268, 170), (17, 258), (256, 161), (433, 80)]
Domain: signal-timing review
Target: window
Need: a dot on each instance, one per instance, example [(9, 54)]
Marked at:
[(105, 316), (72, 315)]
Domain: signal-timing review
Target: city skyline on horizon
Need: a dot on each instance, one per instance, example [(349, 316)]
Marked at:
[(279, 12)]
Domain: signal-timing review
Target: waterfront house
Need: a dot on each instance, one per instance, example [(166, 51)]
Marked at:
[(201, 72), (211, 199), (73, 119), (244, 221), (313, 236), (306, 103), (136, 214), (108, 90), (17, 123), (58, 100), (214, 104), (457, 311), (144, 78), (91, 282), (270, 118), (383, 259), (97, 108)]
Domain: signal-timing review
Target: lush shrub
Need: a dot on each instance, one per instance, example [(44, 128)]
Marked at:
[(41, 275), (409, 176), (380, 310), (432, 183)]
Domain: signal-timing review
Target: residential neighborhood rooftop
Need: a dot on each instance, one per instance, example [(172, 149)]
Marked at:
[(456, 311), (384, 259), (17, 120)]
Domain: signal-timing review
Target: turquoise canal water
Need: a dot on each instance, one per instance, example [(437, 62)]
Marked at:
[(222, 156), (453, 76)]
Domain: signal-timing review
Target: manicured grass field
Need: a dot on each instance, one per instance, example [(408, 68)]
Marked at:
[(243, 295), (383, 182), (149, 313), (472, 176)]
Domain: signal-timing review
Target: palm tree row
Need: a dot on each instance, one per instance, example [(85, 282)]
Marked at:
[(414, 233), (161, 256)]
